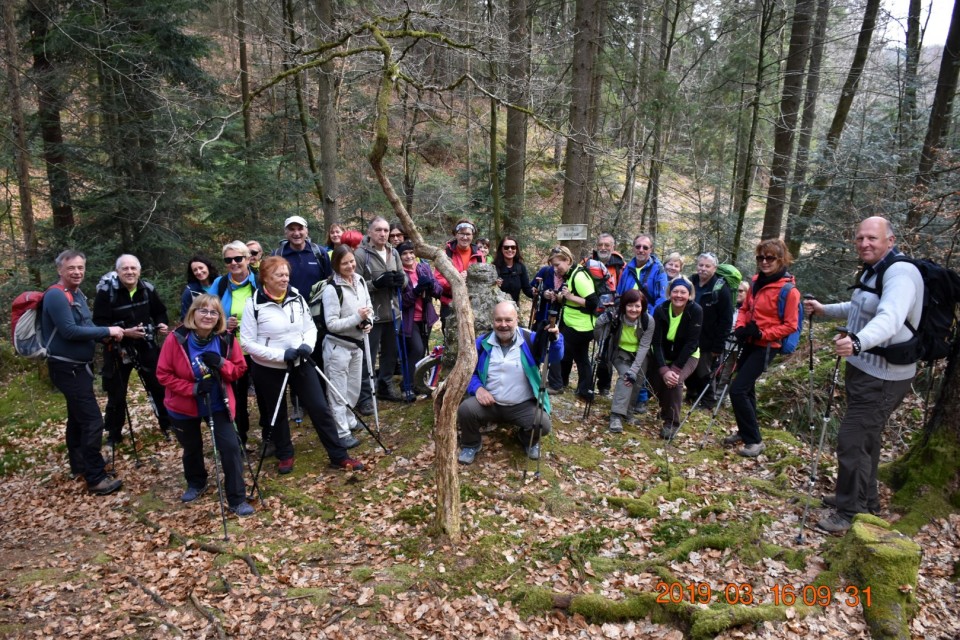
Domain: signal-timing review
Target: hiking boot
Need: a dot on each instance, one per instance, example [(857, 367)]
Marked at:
[(587, 396), (752, 450), (269, 449), (830, 500), (105, 487), (640, 408), (242, 510), (285, 466), (834, 523), (468, 454), (616, 424), (732, 439), (348, 464), (366, 408), (554, 391), (668, 431), (349, 442), (533, 452), (603, 393), (390, 394), (192, 493)]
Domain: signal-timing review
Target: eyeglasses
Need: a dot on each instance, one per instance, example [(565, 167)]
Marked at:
[(645, 247), (254, 254), (237, 259), (510, 247), (767, 258), (396, 235), (213, 313)]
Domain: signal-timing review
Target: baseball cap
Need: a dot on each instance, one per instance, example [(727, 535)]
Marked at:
[(294, 220)]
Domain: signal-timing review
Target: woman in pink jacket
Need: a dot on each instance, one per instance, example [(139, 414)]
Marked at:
[(197, 364)]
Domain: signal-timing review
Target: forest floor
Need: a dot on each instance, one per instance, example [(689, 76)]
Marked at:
[(330, 554)]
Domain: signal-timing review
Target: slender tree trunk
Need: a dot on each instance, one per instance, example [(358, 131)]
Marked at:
[(496, 209), (786, 122), (518, 76), (797, 227), (576, 190), (244, 82), (327, 122), (49, 103), (943, 97), (302, 115), (825, 174), (21, 152), (908, 103)]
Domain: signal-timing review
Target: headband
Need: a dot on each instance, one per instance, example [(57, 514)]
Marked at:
[(681, 282), (465, 225)]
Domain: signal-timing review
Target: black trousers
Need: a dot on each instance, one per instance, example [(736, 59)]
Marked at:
[(305, 381), (84, 420), (383, 349), (576, 349), (116, 379), (190, 436), (743, 390)]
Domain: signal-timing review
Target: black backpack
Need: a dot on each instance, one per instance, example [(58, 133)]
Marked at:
[(934, 337)]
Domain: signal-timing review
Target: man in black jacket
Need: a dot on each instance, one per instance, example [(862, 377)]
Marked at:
[(713, 295), (126, 301)]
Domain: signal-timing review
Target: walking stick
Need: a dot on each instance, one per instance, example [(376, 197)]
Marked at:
[(600, 354), (346, 404), (133, 440), (243, 449), (273, 423), (541, 400), (713, 376), (216, 464), (723, 394), (371, 380), (408, 393), (823, 432)]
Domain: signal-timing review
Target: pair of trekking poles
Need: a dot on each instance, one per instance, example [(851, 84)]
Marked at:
[(138, 367)]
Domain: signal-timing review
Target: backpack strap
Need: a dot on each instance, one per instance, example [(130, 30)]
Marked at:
[(782, 298)]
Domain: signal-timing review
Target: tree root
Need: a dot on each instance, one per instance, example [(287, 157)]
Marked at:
[(206, 613), (156, 597)]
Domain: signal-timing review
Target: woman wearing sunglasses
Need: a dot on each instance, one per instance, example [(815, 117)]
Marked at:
[(759, 330), (512, 276), (234, 288)]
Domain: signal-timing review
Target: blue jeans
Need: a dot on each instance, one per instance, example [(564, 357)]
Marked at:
[(84, 420)]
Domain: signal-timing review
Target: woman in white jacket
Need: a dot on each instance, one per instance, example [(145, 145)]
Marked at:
[(278, 332), (348, 314)]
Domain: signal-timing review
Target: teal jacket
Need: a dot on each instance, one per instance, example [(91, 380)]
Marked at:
[(530, 367)]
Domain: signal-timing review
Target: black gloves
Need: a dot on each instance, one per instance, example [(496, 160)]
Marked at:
[(304, 350), (212, 359), (384, 280), (423, 285), (749, 330), (290, 355), (611, 315), (398, 279), (203, 387)]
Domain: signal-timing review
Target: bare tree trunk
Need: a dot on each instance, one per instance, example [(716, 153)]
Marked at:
[(825, 174), (797, 227), (448, 396), (496, 208), (20, 140), (940, 111), (301, 103), (576, 190), (327, 123), (518, 77), (786, 122), (245, 84), (908, 103)]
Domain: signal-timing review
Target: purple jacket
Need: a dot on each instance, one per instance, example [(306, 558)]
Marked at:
[(424, 275)]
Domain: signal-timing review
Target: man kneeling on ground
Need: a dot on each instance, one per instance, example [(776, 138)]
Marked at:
[(506, 384)]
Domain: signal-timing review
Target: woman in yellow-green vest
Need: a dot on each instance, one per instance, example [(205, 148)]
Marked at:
[(576, 296)]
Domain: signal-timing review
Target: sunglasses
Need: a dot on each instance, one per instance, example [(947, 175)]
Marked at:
[(237, 259), (254, 254), (509, 247), (396, 235), (645, 247), (767, 258)]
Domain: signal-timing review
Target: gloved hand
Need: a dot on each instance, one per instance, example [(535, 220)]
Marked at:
[(749, 330), (611, 315), (290, 355), (398, 279), (203, 387), (384, 280), (212, 359), (304, 350), (629, 377)]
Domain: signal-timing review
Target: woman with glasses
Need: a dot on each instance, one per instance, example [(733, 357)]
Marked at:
[(759, 330), (675, 351), (234, 288), (196, 367), (512, 276), (256, 255), (462, 253), (396, 234), (279, 334), (201, 273)]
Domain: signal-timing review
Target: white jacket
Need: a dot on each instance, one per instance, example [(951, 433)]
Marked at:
[(268, 329)]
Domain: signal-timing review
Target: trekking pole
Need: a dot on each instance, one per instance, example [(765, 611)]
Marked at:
[(713, 376), (135, 359), (342, 399), (216, 465), (814, 469), (243, 448), (598, 353), (133, 440), (723, 394), (541, 400), (535, 302), (371, 379), (267, 436), (407, 386)]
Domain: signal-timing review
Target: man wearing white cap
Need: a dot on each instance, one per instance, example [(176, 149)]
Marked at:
[(309, 263)]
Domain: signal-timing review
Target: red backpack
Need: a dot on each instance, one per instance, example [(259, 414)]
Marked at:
[(25, 326)]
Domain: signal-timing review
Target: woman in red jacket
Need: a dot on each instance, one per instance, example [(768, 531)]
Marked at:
[(759, 330), (196, 365)]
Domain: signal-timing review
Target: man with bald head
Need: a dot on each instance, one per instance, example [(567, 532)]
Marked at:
[(881, 316), (506, 383)]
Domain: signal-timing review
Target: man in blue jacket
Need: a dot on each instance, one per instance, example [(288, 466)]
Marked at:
[(309, 262), (67, 323), (506, 384)]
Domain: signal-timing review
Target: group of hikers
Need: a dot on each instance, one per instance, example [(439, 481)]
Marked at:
[(334, 323)]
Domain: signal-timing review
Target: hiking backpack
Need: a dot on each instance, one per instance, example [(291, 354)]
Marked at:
[(602, 282), (729, 274), (25, 323), (934, 336), (319, 315), (789, 344), (110, 282)]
